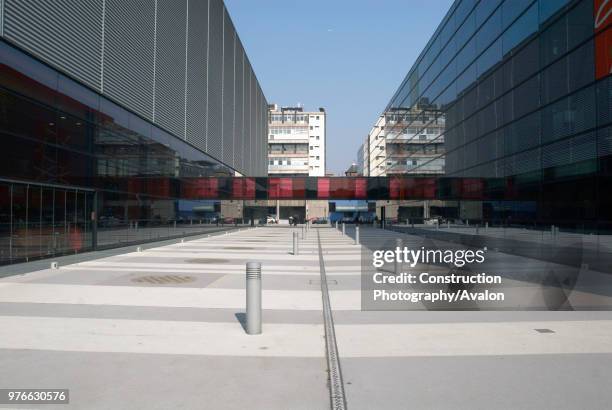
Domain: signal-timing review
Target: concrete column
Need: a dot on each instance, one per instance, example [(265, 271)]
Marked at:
[(356, 235)]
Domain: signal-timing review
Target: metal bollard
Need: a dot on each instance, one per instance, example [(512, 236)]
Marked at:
[(253, 298), (343, 228), (54, 265), (357, 235), (486, 226), (295, 243), (447, 224), (138, 249), (302, 232)]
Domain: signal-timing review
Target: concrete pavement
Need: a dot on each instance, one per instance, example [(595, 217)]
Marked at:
[(162, 329)]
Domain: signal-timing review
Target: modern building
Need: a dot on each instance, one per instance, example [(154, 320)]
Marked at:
[(296, 147), (353, 171), (523, 92), (296, 141), (398, 149), (105, 107)]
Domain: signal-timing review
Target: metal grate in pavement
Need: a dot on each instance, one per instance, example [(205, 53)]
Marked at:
[(164, 279)]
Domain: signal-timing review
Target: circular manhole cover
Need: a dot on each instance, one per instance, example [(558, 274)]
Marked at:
[(207, 260), (164, 279), (237, 247)]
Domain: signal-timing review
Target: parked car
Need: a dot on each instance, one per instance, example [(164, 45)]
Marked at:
[(319, 221), (271, 220)]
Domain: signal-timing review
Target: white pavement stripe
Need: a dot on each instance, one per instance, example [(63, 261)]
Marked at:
[(258, 256), (189, 266), (159, 337), (226, 270), (212, 298), (474, 339)]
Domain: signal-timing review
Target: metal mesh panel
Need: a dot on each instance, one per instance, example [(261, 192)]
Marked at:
[(228, 90), (197, 45), (245, 116), (64, 33), (214, 136), (128, 54), (170, 65), (239, 104)]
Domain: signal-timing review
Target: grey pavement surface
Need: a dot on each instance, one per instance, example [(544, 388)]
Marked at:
[(161, 329)]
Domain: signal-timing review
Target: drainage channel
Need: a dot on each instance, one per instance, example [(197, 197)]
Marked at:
[(336, 385)]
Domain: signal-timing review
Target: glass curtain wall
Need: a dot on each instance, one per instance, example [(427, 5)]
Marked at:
[(68, 151)]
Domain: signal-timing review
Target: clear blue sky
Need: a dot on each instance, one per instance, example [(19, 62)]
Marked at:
[(348, 56)]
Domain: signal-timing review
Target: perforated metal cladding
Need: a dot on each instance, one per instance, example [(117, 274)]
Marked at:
[(170, 60), (253, 134), (64, 33), (214, 134), (239, 107), (128, 54), (247, 118), (1, 17), (177, 63), (228, 89), (197, 47)]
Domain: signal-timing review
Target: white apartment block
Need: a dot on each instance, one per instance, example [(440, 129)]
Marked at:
[(296, 141), (405, 142)]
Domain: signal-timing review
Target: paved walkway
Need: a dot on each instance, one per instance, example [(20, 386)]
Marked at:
[(162, 329)]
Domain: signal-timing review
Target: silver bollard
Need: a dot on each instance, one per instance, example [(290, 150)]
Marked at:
[(253, 298), (343, 228), (356, 235), (182, 240), (486, 226), (302, 232), (295, 243), (54, 265), (138, 249)]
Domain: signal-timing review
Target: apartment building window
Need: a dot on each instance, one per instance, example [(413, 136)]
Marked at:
[(311, 147), (317, 157), (317, 137), (311, 127), (423, 137)]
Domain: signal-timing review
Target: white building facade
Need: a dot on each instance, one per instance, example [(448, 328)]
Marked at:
[(296, 141)]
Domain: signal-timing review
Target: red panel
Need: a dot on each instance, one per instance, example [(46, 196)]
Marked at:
[(602, 11), (201, 188), (299, 188), (342, 188), (159, 187), (323, 188), (394, 188), (237, 188), (280, 188), (471, 188), (249, 188), (361, 188)]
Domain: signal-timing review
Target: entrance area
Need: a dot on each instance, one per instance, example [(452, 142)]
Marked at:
[(38, 221)]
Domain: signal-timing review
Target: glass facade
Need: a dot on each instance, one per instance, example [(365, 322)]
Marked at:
[(69, 152), (524, 91)]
